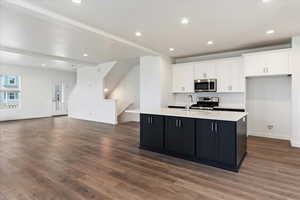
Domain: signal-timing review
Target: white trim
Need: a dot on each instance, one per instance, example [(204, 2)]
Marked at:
[(295, 144), (41, 55), (229, 54), (55, 16), (268, 135)]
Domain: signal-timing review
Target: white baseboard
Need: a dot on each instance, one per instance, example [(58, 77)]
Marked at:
[(268, 135), (295, 144), (92, 120)]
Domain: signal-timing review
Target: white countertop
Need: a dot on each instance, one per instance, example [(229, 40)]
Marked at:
[(198, 114)]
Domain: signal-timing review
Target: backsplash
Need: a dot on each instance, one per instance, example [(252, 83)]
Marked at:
[(227, 100)]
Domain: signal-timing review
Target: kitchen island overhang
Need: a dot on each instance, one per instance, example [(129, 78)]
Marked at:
[(215, 138)]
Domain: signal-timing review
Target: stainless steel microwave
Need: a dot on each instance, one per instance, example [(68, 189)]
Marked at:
[(205, 85)]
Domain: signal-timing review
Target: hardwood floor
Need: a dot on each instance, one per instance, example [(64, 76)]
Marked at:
[(62, 158)]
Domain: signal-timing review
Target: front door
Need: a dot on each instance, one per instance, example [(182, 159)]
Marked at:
[(58, 99)]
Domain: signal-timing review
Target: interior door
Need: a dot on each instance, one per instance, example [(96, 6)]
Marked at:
[(58, 102)]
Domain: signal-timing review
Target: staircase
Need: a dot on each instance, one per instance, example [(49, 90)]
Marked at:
[(117, 73), (122, 82), (122, 106)]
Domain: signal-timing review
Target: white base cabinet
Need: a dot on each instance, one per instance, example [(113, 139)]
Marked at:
[(269, 63)]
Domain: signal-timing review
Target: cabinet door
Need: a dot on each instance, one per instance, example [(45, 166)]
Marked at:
[(230, 74), (226, 134), (223, 71), (152, 131), (183, 78), (277, 62), (206, 140), (180, 135), (237, 83), (205, 70), (254, 65)]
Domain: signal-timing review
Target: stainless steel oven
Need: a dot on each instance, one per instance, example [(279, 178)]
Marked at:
[(205, 85)]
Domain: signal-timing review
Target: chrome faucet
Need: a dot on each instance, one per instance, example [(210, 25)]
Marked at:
[(188, 105)]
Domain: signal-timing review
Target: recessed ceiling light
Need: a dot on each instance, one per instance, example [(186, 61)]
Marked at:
[(210, 42), (171, 49), (138, 34), (106, 90), (85, 55), (185, 21), (266, 1), (269, 32), (43, 65), (76, 1)]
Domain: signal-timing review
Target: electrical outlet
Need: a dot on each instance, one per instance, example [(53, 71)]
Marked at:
[(270, 126)]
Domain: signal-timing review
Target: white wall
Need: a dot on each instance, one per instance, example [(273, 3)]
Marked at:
[(269, 104), (295, 62), (166, 81), (155, 82), (128, 91), (87, 99), (37, 91)]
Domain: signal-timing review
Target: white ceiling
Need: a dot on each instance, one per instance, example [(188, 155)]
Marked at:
[(231, 24), (105, 29), (38, 39), (34, 61)]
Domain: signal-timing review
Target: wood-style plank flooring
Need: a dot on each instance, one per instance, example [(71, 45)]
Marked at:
[(63, 158)]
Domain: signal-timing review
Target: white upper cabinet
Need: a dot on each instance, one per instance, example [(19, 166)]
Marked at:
[(267, 63), (230, 75), (183, 78), (205, 70)]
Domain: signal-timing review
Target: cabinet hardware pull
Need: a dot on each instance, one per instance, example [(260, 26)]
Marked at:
[(176, 123), (212, 127), (216, 127), (151, 120), (179, 123)]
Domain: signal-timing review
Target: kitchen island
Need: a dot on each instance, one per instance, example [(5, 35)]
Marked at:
[(215, 138)]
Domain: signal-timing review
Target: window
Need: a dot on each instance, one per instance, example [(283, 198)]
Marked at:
[(12, 81), (12, 95), (10, 91)]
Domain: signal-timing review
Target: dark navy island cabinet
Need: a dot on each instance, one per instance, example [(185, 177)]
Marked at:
[(217, 143), (180, 136), (152, 132)]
